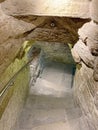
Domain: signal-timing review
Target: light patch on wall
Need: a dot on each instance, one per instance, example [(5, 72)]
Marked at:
[(57, 3)]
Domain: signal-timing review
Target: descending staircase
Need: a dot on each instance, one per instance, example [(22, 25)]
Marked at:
[(50, 104)]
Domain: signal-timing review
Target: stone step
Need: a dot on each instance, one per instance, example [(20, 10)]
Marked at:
[(58, 73), (52, 126), (44, 87), (79, 124), (45, 112), (50, 104)]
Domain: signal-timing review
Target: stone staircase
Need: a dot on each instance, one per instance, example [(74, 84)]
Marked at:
[(50, 104)]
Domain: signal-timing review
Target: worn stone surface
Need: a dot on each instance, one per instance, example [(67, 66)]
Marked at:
[(15, 30), (85, 91), (86, 77), (17, 98), (75, 55), (8, 51), (17, 24), (94, 10), (9, 44), (11, 27), (84, 54), (70, 8), (89, 35), (55, 51), (50, 104)]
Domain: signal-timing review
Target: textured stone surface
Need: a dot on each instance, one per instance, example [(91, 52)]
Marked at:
[(50, 113), (94, 10), (16, 102), (10, 28), (50, 79), (85, 91), (15, 30), (89, 35), (86, 79), (8, 51), (50, 105), (70, 8), (55, 51), (84, 54), (75, 55)]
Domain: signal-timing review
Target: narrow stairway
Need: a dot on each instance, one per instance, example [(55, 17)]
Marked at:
[(50, 104)]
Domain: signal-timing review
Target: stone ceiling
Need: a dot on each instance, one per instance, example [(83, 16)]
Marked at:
[(19, 23), (69, 8)]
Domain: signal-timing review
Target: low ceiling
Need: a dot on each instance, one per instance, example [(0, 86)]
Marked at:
[(69, 8), (19, 22)]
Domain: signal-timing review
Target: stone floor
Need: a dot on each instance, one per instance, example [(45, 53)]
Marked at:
[(50, 104)]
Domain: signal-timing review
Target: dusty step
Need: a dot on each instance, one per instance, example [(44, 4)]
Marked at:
[(44, 87), (52, 126), (79, 124), (43, 112), (58, 73)]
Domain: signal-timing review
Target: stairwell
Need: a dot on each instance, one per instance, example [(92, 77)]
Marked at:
[(50, 104)]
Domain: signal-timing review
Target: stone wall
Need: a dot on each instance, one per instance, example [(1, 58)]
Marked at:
[(85, 53), (16, 102), (86, 95)]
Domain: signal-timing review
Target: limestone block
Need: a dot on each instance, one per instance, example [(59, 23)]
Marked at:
[(11, 38), (16, 102), (83, 51), (89, 35), (86, 91), (73, 8), (11, 27), (55, 51), (51, 35), (8, 52), (75, 55), (94, 10)]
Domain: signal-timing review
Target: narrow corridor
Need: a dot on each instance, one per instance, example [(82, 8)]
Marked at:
[(50, 104)]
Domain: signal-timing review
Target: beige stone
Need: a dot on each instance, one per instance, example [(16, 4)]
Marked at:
[(11, 30), (89, 34), (84, 53), (11, 27), (76, 56), (94, 10), (15, 30), (85, 91), (73, 8), (8, 51)]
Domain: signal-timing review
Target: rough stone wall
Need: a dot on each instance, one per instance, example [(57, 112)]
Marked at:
[(85, 53), (86, 95), (16, 102), (10, 29), (18, 23)]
